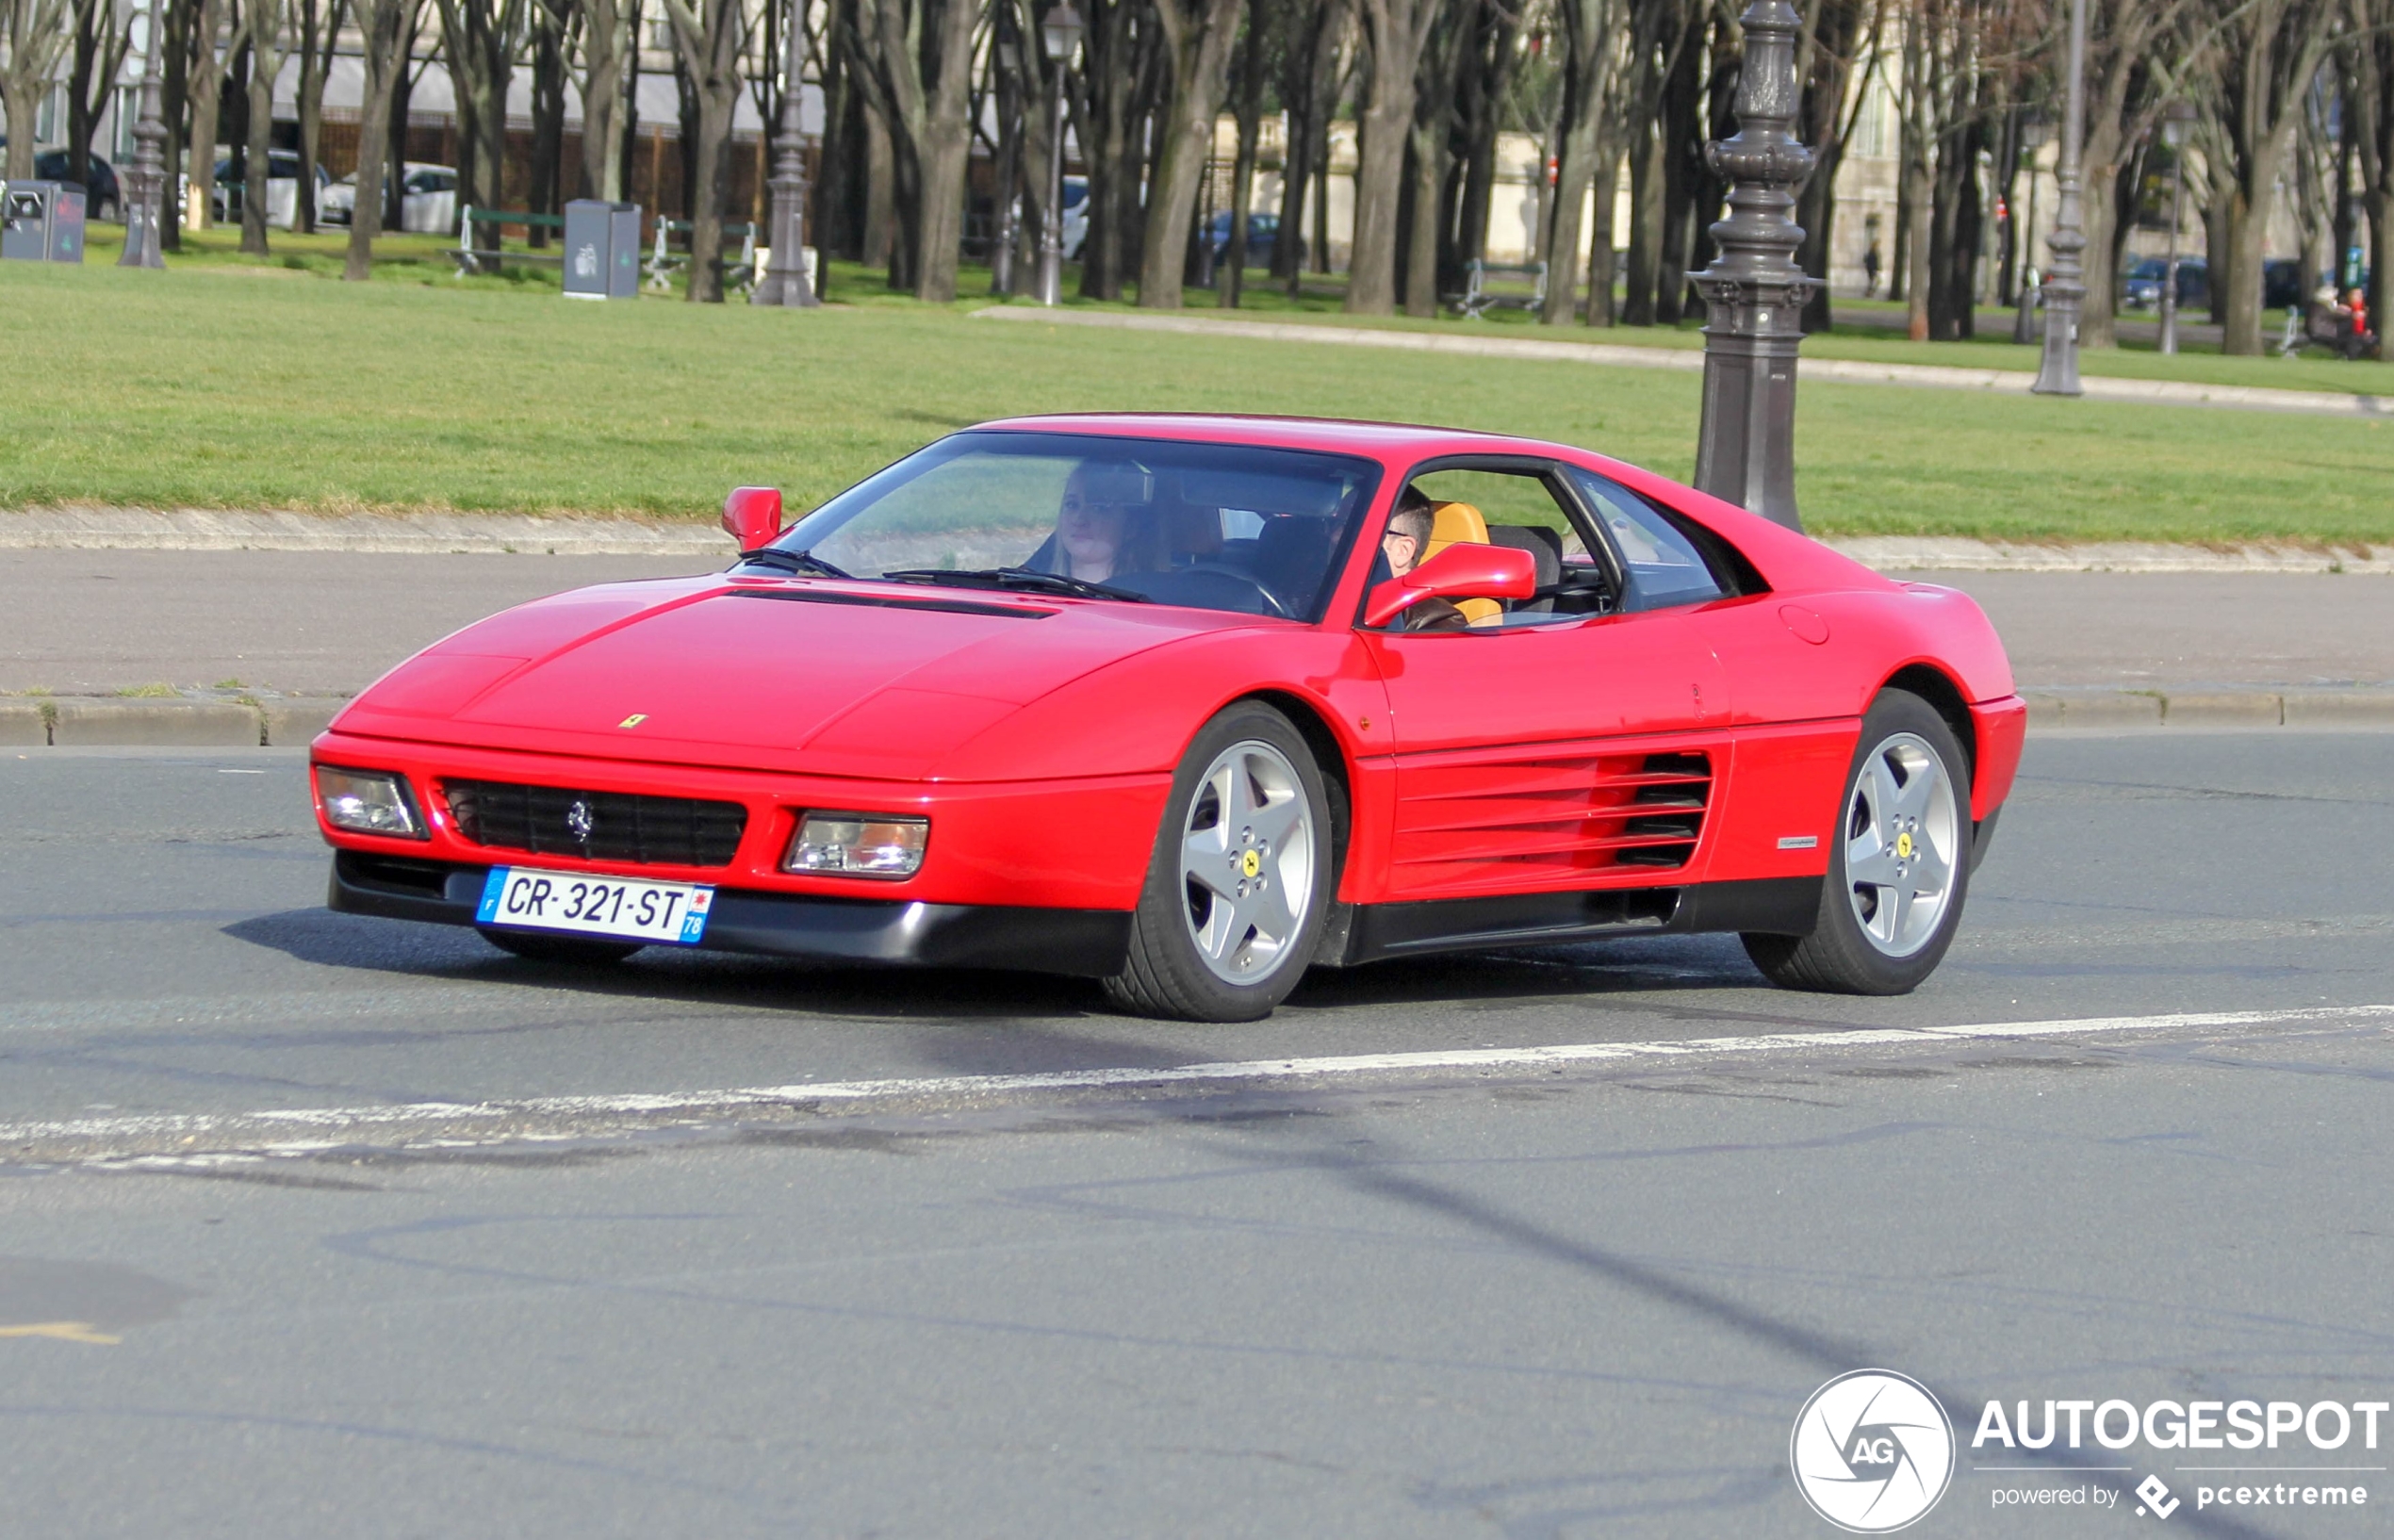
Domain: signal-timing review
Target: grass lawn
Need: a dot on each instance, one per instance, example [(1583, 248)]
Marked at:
[(224, 383)]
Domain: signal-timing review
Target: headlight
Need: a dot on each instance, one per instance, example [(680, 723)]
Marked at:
[(857, 845), (367, 802)]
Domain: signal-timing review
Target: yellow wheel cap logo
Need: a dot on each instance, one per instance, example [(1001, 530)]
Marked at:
[(1250, 863), (633, 720), (1903, 847)]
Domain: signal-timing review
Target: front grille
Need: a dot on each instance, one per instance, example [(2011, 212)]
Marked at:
[(597, 825)]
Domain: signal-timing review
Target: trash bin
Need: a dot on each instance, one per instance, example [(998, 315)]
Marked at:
[(45, 222), (602, 250)]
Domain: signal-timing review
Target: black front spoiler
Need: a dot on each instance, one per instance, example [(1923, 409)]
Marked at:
[(1088, 943)]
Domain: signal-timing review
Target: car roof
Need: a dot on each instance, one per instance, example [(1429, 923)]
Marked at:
[(1381, 440)]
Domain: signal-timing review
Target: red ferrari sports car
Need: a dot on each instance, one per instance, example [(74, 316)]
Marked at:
[(1190, 704)]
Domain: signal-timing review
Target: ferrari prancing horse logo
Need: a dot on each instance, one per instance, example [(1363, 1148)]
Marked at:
[(633, 720), (1903, 846), (1250, 863)]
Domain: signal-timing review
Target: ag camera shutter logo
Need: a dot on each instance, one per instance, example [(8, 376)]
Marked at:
[(1871, 1451)]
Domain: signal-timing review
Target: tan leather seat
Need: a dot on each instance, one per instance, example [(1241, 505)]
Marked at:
[(1461, 524)]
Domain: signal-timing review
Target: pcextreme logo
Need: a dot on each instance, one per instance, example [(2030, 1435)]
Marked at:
[(1871, 1451)]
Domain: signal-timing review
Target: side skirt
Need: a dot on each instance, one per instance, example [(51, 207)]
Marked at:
[(1376, 933)]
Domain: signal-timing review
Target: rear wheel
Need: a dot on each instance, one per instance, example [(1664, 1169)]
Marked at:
[(564, 949), (1899, 866), (1238, 881)]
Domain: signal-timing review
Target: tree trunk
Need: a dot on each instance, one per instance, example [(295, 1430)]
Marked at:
[(1198, 36), (605, 42), (545, 193), (708, 44), (1683, 165), (380, 22), (1397, 31), (1589, 56), (175, 101), (1228, 284), (207, 81), (320, 31), (2268, 63), (265, 24), (99, 55)]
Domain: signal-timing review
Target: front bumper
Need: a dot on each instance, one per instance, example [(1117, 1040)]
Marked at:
[(1088, 943)]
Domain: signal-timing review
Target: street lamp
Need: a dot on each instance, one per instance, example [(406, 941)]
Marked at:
[(2036, 132), (2177, 123), (2065, 286), (1059, 36), (784, 281), (1754, 293), (149, 158)]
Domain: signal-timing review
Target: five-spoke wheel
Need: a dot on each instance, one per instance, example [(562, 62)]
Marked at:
[(1235, 896), (1899, 865)]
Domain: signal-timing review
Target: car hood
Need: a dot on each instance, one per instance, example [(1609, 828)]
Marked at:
[(839, 678)]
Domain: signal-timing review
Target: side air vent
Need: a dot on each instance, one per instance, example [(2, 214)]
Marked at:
[(1672, 791)]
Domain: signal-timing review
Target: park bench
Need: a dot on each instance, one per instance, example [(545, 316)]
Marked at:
[(1478, 301), (472, 259), (2317, 326), (664, 262)]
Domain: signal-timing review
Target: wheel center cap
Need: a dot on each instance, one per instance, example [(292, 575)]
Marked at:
[(1903, 846), (1250, 863)]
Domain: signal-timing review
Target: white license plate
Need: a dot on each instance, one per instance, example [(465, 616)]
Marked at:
[(628, 908)]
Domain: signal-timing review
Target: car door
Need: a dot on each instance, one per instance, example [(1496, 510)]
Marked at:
[(1564, 749)]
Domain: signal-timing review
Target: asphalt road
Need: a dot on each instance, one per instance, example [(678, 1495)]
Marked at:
[(1563, 1301), (329, 623)]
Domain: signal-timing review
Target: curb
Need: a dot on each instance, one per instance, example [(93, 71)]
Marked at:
[(1691, 360), (110, 722), (117, 722), (2112, 710)]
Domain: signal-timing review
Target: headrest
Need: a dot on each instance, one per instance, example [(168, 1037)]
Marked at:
[(1456, 523)]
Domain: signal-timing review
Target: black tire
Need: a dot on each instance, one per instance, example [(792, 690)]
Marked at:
[(1166, 973), (579, 950), (1841, 956)]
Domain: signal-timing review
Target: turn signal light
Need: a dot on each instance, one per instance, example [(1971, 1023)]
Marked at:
[(857, 845), (367, 802)]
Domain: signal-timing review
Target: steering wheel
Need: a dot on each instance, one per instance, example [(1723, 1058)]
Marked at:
[(1211, 586)]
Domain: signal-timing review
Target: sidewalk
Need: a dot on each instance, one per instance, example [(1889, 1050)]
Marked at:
[(1690, 360), (256, 633)]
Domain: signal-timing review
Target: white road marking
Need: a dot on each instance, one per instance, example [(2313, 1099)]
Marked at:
[(300, 1130)]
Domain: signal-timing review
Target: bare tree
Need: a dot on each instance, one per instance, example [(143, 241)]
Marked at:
[(480, 40), (100, 47), (382, 26), (1394, 32), (320, 30), (1309, 82), (1198, 36), (2137, 51), (2373, 113), (1248, 96), (709, 42), (207, 81), (263, 22), (607, 41), (36, 34), (918, 56), (1593, 48), (2271, 50)]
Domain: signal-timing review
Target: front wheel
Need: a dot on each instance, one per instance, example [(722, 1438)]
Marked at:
[(1240, 878), (1899, 866)]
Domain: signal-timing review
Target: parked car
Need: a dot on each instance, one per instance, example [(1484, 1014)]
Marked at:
[(1263, 231), (2143, 283), (282, 188), (1075, 233), (1142, 698), (2282, 286), (103, 196), (428, 200)]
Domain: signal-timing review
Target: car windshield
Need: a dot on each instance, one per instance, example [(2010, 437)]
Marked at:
[(1251, 530)]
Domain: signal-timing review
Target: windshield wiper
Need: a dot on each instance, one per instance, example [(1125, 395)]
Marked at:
[(1020, 577), (804, 561)]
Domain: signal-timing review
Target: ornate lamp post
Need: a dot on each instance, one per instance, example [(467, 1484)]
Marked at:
[(784, 281), (1059, 37), (2036, 132), (148, 179), (1754, 293), (2065, 285), (2177, 121)]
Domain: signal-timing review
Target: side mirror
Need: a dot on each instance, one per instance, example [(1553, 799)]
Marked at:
[(752, 515), (1461, 572)]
